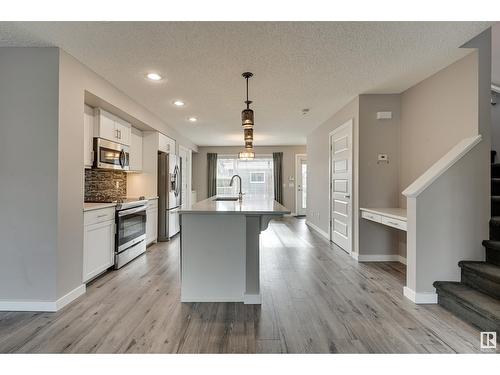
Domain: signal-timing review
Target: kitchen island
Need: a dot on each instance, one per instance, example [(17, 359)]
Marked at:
[(220, 248)]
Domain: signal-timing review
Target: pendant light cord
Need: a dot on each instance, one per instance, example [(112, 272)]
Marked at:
[(248, 103)]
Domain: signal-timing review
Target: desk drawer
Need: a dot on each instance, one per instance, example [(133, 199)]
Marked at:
[(395, 223), (370, 216)]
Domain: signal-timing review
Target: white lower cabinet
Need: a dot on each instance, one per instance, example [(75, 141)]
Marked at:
[(98, 242), (152, 221)]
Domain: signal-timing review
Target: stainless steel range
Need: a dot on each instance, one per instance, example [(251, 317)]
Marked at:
[(130, 239), (130, 230)]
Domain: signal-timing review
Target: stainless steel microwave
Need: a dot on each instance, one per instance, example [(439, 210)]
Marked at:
[(110, 155)]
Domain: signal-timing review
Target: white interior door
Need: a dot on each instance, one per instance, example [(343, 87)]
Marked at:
[(301, 184), (341, 186)]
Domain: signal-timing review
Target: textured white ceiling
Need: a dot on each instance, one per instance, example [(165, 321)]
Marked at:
[(316, 65)]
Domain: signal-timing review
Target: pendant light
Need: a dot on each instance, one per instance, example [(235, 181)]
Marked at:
[(247, 121)]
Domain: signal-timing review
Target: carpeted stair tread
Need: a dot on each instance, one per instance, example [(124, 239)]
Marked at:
[(495, 205), (495, 170), (495, 228), (492, 251), (495, 220), (494, 245), (487, 270), (471, 299), (495, 186)]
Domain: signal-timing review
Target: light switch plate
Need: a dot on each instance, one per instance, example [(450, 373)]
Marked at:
[(384, 115)]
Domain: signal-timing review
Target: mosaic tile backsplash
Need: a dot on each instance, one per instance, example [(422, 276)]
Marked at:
[(100, 185)]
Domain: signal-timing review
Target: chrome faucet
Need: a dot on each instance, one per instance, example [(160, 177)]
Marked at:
[(240, 194)]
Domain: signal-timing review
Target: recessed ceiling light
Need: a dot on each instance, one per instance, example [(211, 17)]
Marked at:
[(154, 76), (179, 103), (192, 119)]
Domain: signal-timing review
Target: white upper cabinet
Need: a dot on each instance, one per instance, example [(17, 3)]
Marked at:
[(88, 131), (166, 144), (124, 131), (111, 127), (136, 150)]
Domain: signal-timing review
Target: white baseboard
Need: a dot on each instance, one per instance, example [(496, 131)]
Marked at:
[(45, 306), (380, 258), (252, 299), (319, 230), (420, 298), (70, 297), (355, 255)]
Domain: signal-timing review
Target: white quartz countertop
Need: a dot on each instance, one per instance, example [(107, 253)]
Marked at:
[(395, 213), (97, 206), (249, 205)]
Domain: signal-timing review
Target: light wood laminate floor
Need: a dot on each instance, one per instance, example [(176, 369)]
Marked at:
[(316, 299)]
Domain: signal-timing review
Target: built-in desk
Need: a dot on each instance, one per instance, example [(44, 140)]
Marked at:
[(392, 217)]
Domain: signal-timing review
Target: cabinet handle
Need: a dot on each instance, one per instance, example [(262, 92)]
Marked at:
[(393, 223), (120, 134), (98, 216)]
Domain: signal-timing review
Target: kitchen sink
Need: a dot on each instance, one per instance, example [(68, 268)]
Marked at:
[(231, 199)]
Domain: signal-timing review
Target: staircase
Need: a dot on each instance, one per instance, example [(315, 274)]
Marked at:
[(476, 298)]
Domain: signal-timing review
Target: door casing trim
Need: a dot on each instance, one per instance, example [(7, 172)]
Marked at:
[(297, 158)]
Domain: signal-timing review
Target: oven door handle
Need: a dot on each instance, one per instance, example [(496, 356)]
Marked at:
[(131, 211)]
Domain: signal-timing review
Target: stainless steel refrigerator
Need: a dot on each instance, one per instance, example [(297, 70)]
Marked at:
[(169, 195)]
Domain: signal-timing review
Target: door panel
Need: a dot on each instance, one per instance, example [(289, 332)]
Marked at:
[(341, 186), (340, 207)]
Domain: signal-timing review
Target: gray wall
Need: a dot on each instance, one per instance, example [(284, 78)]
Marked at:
[(459, 222), (436, 114), (318, 160), (428, 120), (495, 127), (437, 249), (289, 152), (28, 173), (378, 182)]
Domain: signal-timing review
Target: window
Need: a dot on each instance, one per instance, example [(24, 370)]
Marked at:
[(256, 175)]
